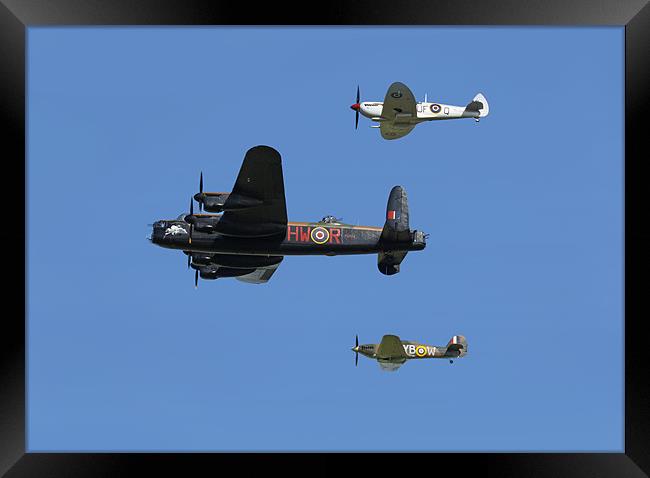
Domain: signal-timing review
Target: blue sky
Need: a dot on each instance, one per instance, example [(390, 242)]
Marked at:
[(525, 212)]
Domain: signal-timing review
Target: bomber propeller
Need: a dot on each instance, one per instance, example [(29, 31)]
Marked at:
[(356, 350), (191, 217), (201, 191)]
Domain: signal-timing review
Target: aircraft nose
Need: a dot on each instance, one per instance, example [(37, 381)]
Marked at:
[(355, 349), (355, 107), (156, 232)]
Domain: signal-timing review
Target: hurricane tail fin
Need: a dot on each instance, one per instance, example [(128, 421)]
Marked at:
[(457, 346)]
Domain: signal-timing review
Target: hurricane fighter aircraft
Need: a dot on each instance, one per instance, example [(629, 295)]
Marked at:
[(399, 113), (251, 236), (392, 352)]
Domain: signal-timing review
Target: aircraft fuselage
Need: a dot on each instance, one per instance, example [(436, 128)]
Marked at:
[(426, 111), (300, 238), (412, 350)]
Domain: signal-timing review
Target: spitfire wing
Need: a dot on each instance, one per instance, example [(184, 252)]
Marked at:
[(261, 275), (399, 108), (395, 130), (256, 206), (391, 347), (399, 103)]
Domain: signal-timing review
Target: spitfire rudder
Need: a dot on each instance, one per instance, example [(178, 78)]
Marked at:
[(478, 105)]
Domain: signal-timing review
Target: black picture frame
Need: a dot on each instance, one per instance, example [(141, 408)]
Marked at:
[(17, 15)]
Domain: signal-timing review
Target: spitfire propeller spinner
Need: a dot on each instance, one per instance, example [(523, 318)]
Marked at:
[(355, 107)]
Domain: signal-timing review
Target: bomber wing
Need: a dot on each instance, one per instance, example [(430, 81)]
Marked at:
[(391, 347), (261, 275), (256, 206)]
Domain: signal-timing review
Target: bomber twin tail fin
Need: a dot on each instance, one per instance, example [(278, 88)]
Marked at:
[(396, 230), (396, 227)]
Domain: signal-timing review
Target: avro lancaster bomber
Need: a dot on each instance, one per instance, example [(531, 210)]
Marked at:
[(251, 236)]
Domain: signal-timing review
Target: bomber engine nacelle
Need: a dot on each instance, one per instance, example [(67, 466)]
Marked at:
[(202, 223), (199, 260), (233, 261), (212, 273), (212, 202), (222, 202)]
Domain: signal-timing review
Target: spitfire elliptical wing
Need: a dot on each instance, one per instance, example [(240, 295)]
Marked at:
[(399, 102), (256, 206), (394, 131), (399, 108)]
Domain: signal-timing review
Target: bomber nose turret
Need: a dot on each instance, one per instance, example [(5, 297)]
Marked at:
[(157, 231)]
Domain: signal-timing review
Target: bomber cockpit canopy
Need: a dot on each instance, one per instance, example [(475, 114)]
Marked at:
[(330, 220)]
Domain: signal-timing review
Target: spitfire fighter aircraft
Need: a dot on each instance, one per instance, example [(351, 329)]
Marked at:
[(252, 235), (392, 352), (399, 113)]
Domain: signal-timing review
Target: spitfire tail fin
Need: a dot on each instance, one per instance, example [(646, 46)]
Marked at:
[(480, 105), (457, 346)]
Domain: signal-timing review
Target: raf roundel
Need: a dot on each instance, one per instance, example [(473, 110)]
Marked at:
[(396, 94), (420, 351), (320, 235), (435, 108)]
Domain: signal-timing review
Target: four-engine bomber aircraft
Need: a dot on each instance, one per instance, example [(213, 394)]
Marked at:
[(392, 352), (252, 236), (399, 113)]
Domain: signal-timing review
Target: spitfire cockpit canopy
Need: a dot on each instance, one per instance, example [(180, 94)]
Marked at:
[(330, 220)]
